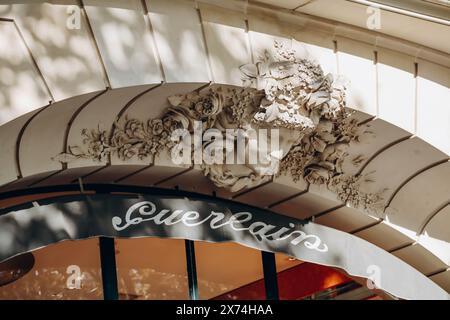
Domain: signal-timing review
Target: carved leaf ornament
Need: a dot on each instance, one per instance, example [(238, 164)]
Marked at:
[(295, 97)]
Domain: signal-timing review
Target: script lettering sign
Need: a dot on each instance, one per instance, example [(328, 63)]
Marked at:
[(146, 211), (163, 215)]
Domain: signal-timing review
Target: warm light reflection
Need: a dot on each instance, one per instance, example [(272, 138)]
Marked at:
[(156, 269), (49, 277), (151, 268)]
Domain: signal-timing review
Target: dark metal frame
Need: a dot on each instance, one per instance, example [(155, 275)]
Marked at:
[(191, 269), (109, 270), (270, 275)]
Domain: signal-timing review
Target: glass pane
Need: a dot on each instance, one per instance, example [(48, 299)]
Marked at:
[(284, 262), (65, 270), (151, 269), (300, 280), (229, 271)]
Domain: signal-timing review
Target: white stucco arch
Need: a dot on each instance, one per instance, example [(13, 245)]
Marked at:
[(398, 87)]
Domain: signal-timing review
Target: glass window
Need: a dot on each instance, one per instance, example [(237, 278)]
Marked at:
[(300, 280), (284, 262), (228, 271), (151, 268), (65, 270)]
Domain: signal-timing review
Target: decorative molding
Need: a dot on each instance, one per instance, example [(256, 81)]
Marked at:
[(295, 97)]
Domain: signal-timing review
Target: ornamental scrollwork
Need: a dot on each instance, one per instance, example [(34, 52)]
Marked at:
[(293, 95)]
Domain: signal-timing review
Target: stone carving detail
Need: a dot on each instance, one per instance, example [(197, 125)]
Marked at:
[(130, 138), (293, 95), (348, 189)]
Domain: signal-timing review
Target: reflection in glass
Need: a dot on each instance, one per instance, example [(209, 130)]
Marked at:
[(303, 280), (151, 269), (15, 268), (226, 270), (64, 271)]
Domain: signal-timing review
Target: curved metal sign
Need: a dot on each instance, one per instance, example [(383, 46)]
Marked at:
[(210, 219)]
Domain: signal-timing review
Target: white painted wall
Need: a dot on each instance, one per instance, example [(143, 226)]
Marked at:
[(181, 41)]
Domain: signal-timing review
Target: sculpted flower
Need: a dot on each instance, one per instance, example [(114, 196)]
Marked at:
[(96, 147), (119, 138), (209, 106), (157, 126), (97, 141), (134, 128), (173, 120), (126, 152), (147, 149)]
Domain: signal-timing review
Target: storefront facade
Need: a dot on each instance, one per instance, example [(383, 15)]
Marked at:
[(98, 200)]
